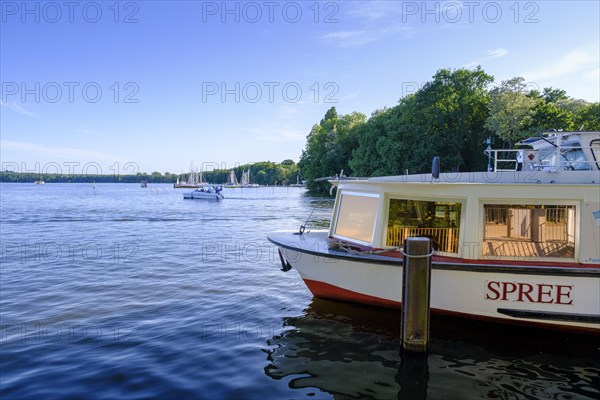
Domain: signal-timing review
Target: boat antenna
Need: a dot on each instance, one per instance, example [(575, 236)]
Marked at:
[(303, 227)]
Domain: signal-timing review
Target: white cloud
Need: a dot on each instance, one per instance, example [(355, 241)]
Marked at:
[(577, 60), (58, 151), (373, 9), (451, 10), (362, 37), (18, 109), (350, 38), (593, 74), (491, 54), (497, 53), (86, 132)]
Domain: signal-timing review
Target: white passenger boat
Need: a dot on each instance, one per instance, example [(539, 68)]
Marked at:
[(205, 193), (519, 243)]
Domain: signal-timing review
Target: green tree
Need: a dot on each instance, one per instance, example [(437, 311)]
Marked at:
[(552, 95), (328, 147), (549, 116), (588, 118), (444, 118), (510, 110)]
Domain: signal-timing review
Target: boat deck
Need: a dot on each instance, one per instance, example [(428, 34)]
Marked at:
[(316, 243)]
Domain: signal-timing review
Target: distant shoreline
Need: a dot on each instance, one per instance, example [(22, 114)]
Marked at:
[(262, 173), (33, 182)]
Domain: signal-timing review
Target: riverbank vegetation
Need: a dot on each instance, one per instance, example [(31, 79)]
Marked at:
[(450, 116), (262, 173)]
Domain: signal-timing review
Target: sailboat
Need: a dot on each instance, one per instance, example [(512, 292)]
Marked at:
[(232, 181), (298, 182), (194, 180), (245, 182)]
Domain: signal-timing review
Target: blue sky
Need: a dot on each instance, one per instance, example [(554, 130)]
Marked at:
[(152, 85)]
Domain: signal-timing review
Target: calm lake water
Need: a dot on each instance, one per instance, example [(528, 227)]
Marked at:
[(136, 293)]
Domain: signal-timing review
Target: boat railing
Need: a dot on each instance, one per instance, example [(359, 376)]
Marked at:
[(443, 239), (503, 160), (561, 157)]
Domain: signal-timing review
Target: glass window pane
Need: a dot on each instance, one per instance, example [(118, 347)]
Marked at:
[(595, 145), (529, 231), (356, 217), (439, 221)]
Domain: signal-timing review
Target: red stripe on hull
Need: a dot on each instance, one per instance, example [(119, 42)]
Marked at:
[(326, 291)]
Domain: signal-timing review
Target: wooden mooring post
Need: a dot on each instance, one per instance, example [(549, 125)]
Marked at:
[(416, 290)]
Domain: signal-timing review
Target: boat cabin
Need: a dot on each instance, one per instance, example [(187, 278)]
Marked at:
[(539, 202)]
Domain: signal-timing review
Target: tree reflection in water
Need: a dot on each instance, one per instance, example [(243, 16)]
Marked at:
[(353, 351)]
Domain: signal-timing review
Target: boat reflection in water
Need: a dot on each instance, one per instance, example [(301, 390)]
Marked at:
[(353, 351)]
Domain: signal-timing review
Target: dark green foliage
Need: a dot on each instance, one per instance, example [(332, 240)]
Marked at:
[(588, 118), (450, 117), (445, 118), (329, 147)]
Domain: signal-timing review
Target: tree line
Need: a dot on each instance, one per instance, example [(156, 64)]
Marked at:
[(262, 173), (450, 116)]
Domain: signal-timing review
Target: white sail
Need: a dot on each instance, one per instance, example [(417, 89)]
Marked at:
[(232, 179), (245, 178)]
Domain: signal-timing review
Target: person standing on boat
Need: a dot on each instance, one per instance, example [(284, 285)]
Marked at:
[(520, 160)]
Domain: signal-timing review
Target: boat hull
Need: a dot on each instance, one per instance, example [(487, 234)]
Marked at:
[(198, 195), (554, 297)]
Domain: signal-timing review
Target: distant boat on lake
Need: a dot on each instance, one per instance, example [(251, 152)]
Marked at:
[(299, 182), (40, 182), (193, 180), (232, 181), (206, 192), (245, 182)]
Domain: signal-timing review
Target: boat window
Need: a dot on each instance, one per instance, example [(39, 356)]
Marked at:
[(571, 158), (356, 217), (439, 221), (595, 146), (575, 159), (529, 231)]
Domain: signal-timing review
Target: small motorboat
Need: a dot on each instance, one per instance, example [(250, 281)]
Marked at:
[(205, 193)]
